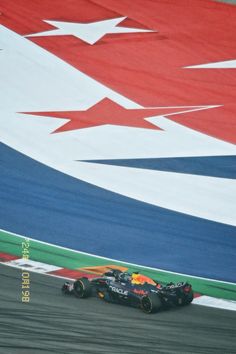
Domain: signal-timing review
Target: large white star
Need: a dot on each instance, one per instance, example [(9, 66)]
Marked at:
[(88, 32)]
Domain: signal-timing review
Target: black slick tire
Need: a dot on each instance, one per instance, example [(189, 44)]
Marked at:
[(151, 303), (188, 298), (82, 288)]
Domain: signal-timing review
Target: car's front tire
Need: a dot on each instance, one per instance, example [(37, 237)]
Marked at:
[(82, 288), (151, 303)]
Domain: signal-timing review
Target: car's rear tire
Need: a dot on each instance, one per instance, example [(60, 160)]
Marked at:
[(151, 303), (82, 288), (184, 299), (188, 298)]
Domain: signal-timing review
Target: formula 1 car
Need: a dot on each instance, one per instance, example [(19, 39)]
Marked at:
[(134, 289)]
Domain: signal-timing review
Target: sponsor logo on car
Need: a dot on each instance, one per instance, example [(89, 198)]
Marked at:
[(118, 290)]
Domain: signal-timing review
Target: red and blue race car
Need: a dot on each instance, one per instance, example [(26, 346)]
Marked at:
[(133, 289)]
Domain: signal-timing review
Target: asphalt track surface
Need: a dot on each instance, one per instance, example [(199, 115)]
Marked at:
[(54, 323)]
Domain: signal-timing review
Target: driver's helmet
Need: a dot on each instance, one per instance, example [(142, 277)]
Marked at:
[(124, 277)]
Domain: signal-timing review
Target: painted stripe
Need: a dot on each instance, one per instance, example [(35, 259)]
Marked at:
[(5, 257), (214, 166), (228, 64), (32, 266), (71, 274), (199, 196), (216, 303)]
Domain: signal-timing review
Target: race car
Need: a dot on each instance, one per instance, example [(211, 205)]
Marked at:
[(133, 289)]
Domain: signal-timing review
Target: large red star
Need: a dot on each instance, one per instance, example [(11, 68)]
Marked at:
[(109, 112)]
